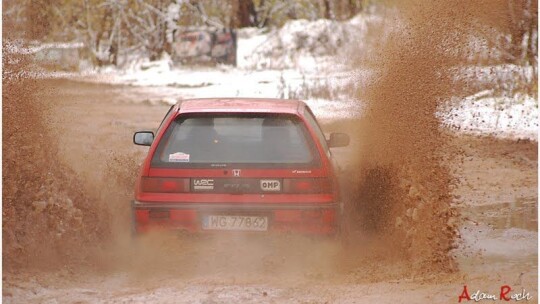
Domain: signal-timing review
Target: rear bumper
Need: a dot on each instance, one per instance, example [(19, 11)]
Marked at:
[(305, 218)]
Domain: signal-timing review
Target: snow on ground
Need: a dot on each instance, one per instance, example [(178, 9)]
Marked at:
[(225, 81), (302, 60), (509, 117), (304, 45), (502, 110), (482, 113), (504, 76)]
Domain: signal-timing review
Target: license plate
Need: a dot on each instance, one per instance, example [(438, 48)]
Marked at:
[(235, 222)]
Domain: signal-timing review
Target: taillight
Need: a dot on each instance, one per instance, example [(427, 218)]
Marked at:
[(158, 214), (307, 185), (162, 184)]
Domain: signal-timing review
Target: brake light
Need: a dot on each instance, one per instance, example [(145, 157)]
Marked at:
[(158, 214), (162, 184), (307, 185)]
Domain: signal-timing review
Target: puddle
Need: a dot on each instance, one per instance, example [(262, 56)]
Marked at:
[(521, 213)]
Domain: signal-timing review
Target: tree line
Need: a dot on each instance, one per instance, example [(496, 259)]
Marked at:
[(111, 29)]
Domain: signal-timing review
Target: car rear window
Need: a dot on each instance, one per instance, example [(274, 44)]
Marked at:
[(260, 140)]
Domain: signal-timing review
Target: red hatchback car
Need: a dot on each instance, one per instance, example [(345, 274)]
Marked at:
[(238, 164)]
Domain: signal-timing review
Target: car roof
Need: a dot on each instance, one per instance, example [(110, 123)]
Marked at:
[(241, 105)]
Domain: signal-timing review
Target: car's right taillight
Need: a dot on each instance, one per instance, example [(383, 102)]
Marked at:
[(307, 185), (164, 184)]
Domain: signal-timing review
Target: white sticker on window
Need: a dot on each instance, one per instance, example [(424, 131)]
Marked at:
[(179, 157)]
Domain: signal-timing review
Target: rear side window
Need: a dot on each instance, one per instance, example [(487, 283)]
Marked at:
[(260, 140), (320, 135), (169, 113)]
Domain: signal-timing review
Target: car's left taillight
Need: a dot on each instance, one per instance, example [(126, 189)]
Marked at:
[(307, 185), (164, 184)]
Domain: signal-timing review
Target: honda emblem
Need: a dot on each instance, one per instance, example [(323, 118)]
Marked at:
[(236, 172)]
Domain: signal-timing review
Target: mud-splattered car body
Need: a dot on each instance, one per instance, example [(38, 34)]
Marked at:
[(238, 164)]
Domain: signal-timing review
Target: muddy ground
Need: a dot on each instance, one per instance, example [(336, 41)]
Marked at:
[(93, 126)]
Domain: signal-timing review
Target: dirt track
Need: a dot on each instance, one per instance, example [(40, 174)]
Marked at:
[(93, 124)]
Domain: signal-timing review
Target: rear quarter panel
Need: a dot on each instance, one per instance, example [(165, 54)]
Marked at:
[(145, 166)]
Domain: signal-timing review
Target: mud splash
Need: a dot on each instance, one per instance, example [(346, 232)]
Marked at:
[(404, 191), (48, 219)]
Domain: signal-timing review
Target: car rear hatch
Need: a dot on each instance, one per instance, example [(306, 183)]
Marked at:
[(239, 164)]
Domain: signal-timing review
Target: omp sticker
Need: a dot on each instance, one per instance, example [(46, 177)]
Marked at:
[(179, 157), (270, 185)]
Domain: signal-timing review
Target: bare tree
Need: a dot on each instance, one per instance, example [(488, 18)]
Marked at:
[(522, 26), (146, 22), (246, 15)]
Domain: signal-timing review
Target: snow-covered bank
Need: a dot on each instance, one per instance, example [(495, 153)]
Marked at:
[(482, 113), (500, 116), (182, 83), (303, 45)]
